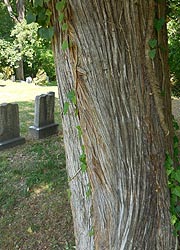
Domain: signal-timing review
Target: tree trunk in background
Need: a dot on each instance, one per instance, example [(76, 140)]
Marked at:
[(20, 70), (124, 106), (20, 7)]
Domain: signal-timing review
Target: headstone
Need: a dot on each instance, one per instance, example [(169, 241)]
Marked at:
[(13, 78), (29, 79), (9, 126), (44, 124)]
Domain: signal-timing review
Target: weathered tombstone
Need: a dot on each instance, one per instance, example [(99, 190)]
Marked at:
[(13, 78), (44, 124), (9, 126), (29, 79)]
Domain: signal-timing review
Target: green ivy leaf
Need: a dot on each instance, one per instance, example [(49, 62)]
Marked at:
[(65, 108), (176, 191), (88, 192), (158, 23), (168, 161), (173, 219), (38, 3), (152, 43), (41, 17), (61, 17), (46, 33), (64, 26), (71, 96), (79, 131), (152, 53), (177, 209), (91, 232), (30, 17), (83, 167), (175, 125), (82, 158), (65, 45), (176, 175), (69, 194), (48, 13), (61, 5), (177, 227)]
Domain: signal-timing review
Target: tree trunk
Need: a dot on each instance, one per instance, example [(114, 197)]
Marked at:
[(20, 70), (123, 97), (20, 8)]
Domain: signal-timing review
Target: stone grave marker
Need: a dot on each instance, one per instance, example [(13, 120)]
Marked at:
[(44, 124), (9, 126)]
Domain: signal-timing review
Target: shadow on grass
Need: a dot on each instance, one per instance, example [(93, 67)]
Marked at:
[(34, 208)]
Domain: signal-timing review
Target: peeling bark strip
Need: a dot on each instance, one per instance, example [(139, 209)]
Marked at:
[(124, 122)]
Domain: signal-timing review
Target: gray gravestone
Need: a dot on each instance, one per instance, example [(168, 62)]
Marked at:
[(9, 126), (44, 124)]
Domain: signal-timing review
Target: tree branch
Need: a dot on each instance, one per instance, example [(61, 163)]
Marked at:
[(10, 10)]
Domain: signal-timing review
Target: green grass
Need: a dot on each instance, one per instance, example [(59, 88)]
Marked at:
[(34, 208)]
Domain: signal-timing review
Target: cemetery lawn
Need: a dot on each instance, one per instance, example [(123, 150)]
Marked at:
[(34, 206)]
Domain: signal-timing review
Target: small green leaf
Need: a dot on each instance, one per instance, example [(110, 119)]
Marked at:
[(61, 17), (177, 209), (65, 45), (66, 108), (79, 131), (64, 26), (48, 13), (76, 111), (69, 194), (152, 43), (168, 161), (31, 17), (71, 96), (158, 23), (61, 5), (88, 192), (46, 33), (91, 232), (38, 3), (83, 167), (173, 219), (152, 53), (82, 158), (175, 125), (177, 227), (176, 191), (177, 176)]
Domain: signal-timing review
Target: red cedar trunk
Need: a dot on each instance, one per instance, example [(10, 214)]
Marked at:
[(125, 113)]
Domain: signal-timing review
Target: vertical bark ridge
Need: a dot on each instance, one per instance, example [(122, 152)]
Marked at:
[(118, 106), (81, 205)]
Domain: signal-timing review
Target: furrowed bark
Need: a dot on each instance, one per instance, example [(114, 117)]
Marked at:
[(78, 182), (125, 114)]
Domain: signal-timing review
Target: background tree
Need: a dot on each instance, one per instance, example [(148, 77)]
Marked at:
[(19, 17), (20, 40), (114, 55)]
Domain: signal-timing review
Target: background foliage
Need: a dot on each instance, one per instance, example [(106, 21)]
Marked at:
[(21, 41), (174, 45)]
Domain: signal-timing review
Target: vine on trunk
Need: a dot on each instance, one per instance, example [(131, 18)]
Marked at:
[(173, 173)]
